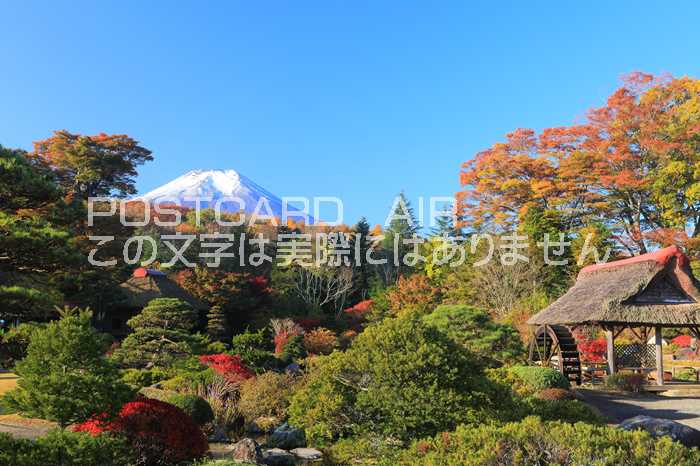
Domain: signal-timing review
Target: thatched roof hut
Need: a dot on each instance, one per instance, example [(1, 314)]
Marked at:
[(645, 292), (143, 286), (655, 289), (148, 284)]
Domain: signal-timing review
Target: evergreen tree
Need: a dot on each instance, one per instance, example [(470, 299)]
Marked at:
[(445, 226), (402, 226), (65, 377), (161, 333), (362, 272), (216, 324)]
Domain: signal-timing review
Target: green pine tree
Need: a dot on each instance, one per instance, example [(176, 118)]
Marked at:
[(402, 225), (362, 272), (65, 377), (161, 333)]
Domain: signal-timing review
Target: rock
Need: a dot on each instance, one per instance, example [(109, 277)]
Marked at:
[(218, 435), (293, 369), (278, 457), (307, 455), (287, 437), (246, 450), (660, 427)]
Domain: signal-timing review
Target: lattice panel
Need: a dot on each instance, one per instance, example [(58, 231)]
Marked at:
[(635, 355)]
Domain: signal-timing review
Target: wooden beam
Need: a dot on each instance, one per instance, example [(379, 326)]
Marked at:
[(610, 338), (658, 342)]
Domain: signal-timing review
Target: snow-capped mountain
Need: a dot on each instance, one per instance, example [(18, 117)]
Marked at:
[(211, 185)]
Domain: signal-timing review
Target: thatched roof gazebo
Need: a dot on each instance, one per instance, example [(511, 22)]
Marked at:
[(641, 293), (143, 286)]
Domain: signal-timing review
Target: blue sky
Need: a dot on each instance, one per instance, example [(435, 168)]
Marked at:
[(358, 100)]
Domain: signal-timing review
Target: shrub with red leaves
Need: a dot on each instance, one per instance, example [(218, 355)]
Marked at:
[(684, 341), (159, 433), (359, 310), (230, 367), (592, 350)]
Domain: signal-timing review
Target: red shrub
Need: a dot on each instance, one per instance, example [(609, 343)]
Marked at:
[(359, 310), (684, 341), (592, 350), (159, 433), (228, 366)]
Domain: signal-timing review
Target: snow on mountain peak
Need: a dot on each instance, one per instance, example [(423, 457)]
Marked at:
[(210, 186)]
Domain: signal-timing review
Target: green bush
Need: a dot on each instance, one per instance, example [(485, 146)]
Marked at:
[(65, 377), (14, 343), (625, 382), (538, 378), (474, 329), (687, 375), (196, 407), (399, 378), (533, 442), (266, 395), (560, 410), (139, 378), (188, 381), (363, 450), (293, 351), (65, 448), (254, 348)]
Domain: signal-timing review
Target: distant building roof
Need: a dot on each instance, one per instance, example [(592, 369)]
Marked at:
[(148, 284), (651, 289)]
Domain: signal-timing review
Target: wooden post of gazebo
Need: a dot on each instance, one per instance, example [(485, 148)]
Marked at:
[(658, 342), (610, 338)]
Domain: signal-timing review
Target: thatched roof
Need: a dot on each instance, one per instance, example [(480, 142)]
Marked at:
[(148, 284), (652, 289)]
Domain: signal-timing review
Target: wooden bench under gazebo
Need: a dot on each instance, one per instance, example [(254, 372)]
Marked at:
[(643, 294)]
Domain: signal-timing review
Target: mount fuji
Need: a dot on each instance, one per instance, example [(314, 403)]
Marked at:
[(210, 186)]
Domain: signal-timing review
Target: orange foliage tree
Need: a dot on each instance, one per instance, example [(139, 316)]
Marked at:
[(633, 164)]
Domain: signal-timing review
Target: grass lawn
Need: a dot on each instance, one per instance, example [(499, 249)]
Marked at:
[(7, 382)]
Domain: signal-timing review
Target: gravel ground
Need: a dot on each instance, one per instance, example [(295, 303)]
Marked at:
[(684, 408)]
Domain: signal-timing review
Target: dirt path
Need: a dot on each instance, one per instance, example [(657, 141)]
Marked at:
[(616, 407), (20, 427)]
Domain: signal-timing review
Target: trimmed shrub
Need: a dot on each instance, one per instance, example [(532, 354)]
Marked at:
[(139, 378), (158, 432), (533, 441), (538, 378), (366, 449), (188, 381), (475, 330), (399, 378), (266, 395), (194, 406), (254, 348), (633, 383), (560, 410), (65, 448)]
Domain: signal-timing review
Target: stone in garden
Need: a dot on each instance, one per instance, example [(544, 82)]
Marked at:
[(278, 457), (218, 435), (307, 454), (287, 437), (293, 369), (246, 450), (663, 427)]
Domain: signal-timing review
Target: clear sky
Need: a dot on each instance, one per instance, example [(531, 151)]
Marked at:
[(352, 99)]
